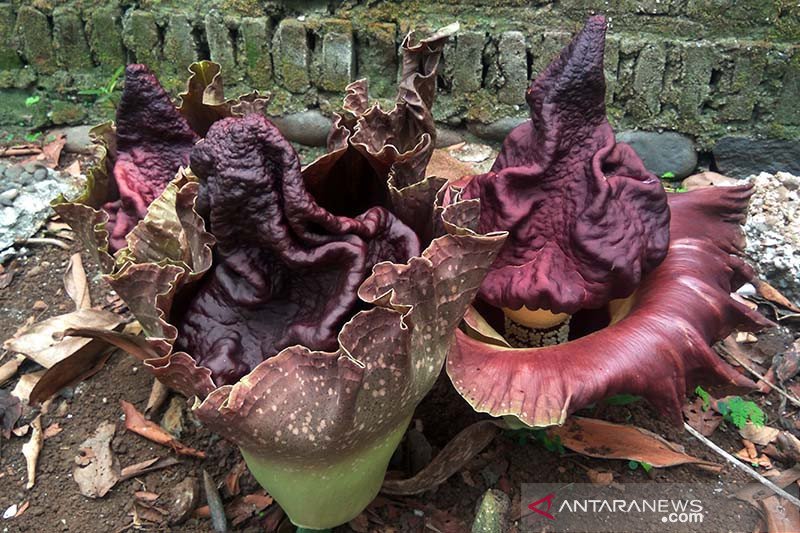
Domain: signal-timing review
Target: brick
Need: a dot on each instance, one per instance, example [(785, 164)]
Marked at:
[(377, 57), (337, 62), (255, 34), (9, 59), (742, 86), (787, 110), (290, 55), (466, 61), (610, 63), (34, 33), (141, 37), (698, 60), (72, 50), (545, 48), (105, 36), (220, 45), (179, 47), (513, 65), (648, 81)]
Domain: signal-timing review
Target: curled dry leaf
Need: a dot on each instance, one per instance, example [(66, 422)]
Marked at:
[(158, 395), (96, 468), (789, 445), (450, 460), (85, 362), (136, 423), (605, 440), (75, 283), (761, 435), (31, 450), (44, 342), (52, 430), (232, 479), (10, 367), (26, 384), (145, 467), (749, 454)]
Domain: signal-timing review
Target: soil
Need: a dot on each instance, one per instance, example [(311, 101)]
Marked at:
[(55, 503)]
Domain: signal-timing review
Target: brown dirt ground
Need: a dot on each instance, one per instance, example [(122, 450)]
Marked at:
[(55, 503)]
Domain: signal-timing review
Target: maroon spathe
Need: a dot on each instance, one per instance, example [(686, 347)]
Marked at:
[(586, 220)]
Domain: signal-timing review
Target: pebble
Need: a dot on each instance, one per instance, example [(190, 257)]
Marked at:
[(78, 140), (40, 174), (13, 172), (663, 152), (7, 197), (309, 127)]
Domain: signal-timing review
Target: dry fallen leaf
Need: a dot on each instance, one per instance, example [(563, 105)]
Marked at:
[(232, 479), (75, 283), (781, 516), (22, 508), (10, 367), (44, 344), (136, 423), (768, 292), (605, 440), (145, 467), (97, 469), (52, 430), (599, 478), (706, 421), (31, 450), (749, 454), (158, 395), (145, 496), (752, 492), (789, 445), (74, 169), (443, 165), (79, 366), (761, 435), (26, 384)]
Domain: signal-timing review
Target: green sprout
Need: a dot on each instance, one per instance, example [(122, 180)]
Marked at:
[(668, 176), (105, 94), (633, 465), (671, 187), (32, 100), (705, 396), (33, 136)]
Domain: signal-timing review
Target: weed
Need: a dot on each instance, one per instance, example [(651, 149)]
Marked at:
[(105, 94), (633, 465), (735, 410), (32, 101)]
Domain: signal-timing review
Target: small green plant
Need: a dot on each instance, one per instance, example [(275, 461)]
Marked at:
[(105, 94), (739, 411), (32, 101), (633, 465), (33, 136), (671, 186), (523, 436), (668, 176), (705, 396), (735, 410)]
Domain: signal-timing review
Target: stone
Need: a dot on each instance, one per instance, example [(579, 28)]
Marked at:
[(255, 34), (40, 174), (787, 111), (466, 61), (447, 137), (773, 231), (513, 67), (663, 152), (13, 172), (741, 83), (179, 48), (220, 46), (34, 33), (291, 55), (497, 130), (741, 157), (493, 513), (337, 65), (78, 140), (377, 56), (9, 59), (308, 127), (7, 197), (105, 36), (72, 49), (141, 36)]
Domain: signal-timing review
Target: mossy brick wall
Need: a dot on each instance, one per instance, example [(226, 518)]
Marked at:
[(706, 68)]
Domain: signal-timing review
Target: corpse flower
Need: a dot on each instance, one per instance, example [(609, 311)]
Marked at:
[(150, 140), (307, 334), (645, 278)]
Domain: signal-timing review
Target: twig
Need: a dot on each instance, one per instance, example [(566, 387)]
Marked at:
[(741, 466), (45, 240), (762, 378)]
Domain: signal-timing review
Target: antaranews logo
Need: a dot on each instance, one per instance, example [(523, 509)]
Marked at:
[(640, 507)]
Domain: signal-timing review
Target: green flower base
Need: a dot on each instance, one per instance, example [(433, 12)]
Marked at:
[(322, 497)]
